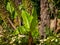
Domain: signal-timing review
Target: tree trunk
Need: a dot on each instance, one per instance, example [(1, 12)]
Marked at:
[(44, 17)]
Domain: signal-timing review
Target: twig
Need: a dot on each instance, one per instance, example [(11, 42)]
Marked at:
[(11, 24)]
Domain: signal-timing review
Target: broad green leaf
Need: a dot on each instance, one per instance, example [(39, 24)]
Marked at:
[(27, 18), (23, 30), (34, 22), (14, 14), (9, 7)]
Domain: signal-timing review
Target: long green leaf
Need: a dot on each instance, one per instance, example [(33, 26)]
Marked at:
[(26, 18), (9, 7), (34, 22)]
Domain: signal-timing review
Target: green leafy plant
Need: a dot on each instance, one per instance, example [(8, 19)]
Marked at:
[(10, 8), (30, 23)]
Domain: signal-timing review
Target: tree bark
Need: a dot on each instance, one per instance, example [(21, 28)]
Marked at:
[(44, 17)]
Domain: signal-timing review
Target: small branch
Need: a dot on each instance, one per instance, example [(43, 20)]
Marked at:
[(11, 24)]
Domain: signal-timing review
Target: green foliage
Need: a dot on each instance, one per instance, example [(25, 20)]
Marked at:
[(23, 30), (30, 23), (48, 31), (27, 18), (13, 13), (51, 40), (36, 4), (34, 22), (9, 7), (57, 2)]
